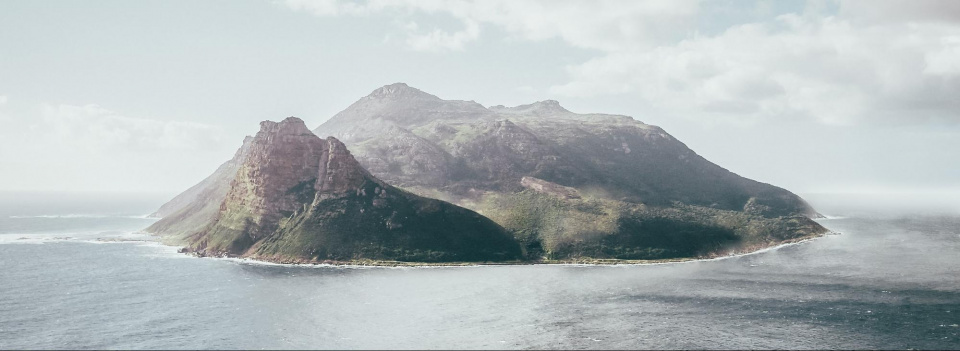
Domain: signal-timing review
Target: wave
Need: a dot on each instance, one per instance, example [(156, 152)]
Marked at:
[(90, 238), (146, 216), (255, 262)]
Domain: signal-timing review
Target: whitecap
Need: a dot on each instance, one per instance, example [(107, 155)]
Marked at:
[(74, 215)]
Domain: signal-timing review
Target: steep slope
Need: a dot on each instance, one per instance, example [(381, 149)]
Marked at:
[(628, 173), (223, 175), (412, 159), (646, 165), (298, 198), (200, 204)]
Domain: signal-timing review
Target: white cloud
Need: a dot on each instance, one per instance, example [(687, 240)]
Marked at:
[(94, 127), (877, 60), (3, 103), (439, 40), (887, 11), (946, 60), (328, 7), (609, 25), (828, 69)]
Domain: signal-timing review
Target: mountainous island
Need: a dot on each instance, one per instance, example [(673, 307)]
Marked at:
[(433, 180)]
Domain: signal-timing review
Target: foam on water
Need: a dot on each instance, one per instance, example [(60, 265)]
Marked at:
[(83, 237), (146, 216)]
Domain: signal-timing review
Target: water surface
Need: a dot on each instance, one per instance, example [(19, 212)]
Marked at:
[(885, 282)]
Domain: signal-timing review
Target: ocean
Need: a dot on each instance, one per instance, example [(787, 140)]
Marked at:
[(74, 274)]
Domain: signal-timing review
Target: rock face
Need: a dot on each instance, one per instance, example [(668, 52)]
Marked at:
[(625, 171), (295, 197)]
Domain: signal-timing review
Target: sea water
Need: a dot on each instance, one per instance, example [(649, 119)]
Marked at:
[(73, 274)]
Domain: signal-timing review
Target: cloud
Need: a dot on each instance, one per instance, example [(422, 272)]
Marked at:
[(89, 147), (828, 69), (439, 40), (609, 25), (842, 63), (891, 11), (3, 103), (97, 128), (946, 60), (330, 7)]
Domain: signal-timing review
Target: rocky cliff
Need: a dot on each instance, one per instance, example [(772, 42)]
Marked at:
[(295, 197)]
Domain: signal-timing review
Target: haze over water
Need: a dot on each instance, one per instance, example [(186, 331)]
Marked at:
[(889, 280)]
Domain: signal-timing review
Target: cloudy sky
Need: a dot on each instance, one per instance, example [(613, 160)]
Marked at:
[(814, 96)]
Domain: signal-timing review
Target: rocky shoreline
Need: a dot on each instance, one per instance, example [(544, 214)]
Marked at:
[(750, 250)]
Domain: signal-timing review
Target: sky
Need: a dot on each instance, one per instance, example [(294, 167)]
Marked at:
[(812, 96)]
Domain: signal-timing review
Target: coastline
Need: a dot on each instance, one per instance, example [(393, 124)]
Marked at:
[(749, 250)]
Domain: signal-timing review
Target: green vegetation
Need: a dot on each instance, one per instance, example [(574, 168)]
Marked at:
[(396, 227), (551, 228)]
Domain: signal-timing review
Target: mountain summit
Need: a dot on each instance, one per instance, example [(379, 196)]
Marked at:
[(399, 91), (396, 105)]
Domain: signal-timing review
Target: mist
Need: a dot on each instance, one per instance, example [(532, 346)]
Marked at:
[(886, 204)]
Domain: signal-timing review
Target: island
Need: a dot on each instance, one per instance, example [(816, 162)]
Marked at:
[(404, 177)]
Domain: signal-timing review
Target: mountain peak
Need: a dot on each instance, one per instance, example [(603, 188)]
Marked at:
[(290, 125), (397, 106), (396, 90)]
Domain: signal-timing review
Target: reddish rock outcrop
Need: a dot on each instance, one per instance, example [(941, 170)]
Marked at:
[(299, 198), (274, 180)]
